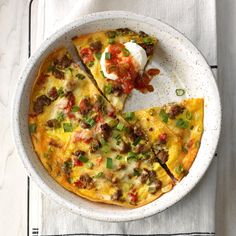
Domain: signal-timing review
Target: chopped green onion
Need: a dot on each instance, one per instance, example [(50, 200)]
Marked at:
[(83, 159), (98, 55), (120, 126), (109, 164), (131, 155), (180, 92), (181, 123), (163, 116), (112, 123), (189, 115), (129, 115), (75, 109), (118, 157), (179, 169), (137, 172), (60, 116), (108, 89), (107, 55), (90, 64), (136, 141), (102, 74), (98, 175), (32, 128), (67, 127), (126, 52), (89, 165), (60, 92), (105, 149), (90, 121), (111, 40), (148, 40), (80, 76), (103, 141), (184, 149)]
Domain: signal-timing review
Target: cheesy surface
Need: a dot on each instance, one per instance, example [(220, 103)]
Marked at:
[(85, 144)]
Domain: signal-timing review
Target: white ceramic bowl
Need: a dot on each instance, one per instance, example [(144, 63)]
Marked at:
[(181, 65)]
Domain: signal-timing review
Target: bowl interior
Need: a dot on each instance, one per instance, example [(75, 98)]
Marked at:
[(181, 65)]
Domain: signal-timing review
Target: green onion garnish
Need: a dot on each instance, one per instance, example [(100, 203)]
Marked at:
[(90, 121), (60, 92), (111, 40), (107, 55), (163, 116), (90, 64), (108, 89), (136, 141), (89, 165), (102, 74), (126, 52), (132, 155), (67, 127), (179, 169), (148, 40), (98, 55), (118, 157), (189, 115), (181, 123), (98, 175), (120, 126), (129, 115), (180, 92), (83, 159), (109, 164), (103, 141), (105, 149), (75, 109), (32, 128), (80, 76), (60, 116)]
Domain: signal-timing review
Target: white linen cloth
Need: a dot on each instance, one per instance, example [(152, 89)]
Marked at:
[(193, 215)]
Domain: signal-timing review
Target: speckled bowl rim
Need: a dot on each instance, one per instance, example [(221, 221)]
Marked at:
[(137, 214)]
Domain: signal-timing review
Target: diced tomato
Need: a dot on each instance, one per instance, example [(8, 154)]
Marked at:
[(153, 71), (163, 138), (77, 162), (142, 83), (42, 79), (79, 184), (111, 111), (85, 136), (87, 55), (99, 117), (70, 103), (84, 106), (99, 160), (71, 116), (133, 196), (190, 143)]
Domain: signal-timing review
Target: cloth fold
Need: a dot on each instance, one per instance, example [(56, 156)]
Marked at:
[(193, 215)]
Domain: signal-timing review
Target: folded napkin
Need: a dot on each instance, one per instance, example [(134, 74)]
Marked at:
[(193, 215)]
